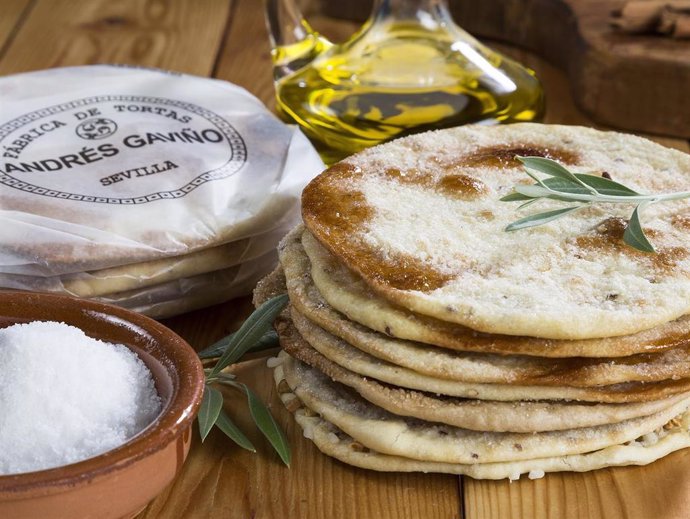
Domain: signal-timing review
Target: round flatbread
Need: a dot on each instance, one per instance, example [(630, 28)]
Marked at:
[(213, 295), (347, 293), (105, 166), (477, 415), (340, 352), (475, 367), (387, 433), (356, 360), (140, 275), (333, 442), (186, 294), (421, 221)]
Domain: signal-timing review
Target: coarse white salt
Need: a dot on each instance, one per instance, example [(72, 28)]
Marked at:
[(66, 397), (535, 474)]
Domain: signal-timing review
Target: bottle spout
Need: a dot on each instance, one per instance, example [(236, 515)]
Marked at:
[(294, 44)]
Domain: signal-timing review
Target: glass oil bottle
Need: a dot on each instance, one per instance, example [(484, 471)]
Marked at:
[(409, 68)]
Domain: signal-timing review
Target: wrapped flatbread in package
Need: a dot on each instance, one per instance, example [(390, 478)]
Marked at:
[(148, 273), (186, 294), (103, 166)]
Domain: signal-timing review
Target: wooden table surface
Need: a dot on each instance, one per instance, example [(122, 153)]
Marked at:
[(226, 39)]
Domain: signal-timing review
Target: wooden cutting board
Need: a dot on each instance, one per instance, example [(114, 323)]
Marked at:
[(633, 82)]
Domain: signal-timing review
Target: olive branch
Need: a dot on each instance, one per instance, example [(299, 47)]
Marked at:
[(584, 190), (255, 334)]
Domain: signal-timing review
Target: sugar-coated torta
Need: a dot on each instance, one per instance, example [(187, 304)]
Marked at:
[(421, 221)]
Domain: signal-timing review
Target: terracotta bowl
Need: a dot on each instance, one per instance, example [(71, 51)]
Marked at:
[(120, 482)]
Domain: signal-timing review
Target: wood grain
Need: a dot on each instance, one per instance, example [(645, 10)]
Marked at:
[(182, 35), (222, 480), (202, 328), (634, 82), (630, 81), (245, 58), (661, 490), (560, 106), (12, 14), (228, 40)]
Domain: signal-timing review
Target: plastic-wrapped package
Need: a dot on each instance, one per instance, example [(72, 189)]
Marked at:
[(183, 295), (140, 275), (103, 166)]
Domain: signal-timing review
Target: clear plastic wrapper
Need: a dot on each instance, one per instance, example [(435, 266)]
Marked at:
[(187, 294), (155, 272), (103, 166)]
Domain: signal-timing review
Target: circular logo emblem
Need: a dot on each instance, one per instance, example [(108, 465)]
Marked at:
[(94, 129), (159, 149)]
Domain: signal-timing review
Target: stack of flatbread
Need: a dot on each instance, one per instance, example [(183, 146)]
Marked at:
[(421, 336), (160, 192), (169, 285)]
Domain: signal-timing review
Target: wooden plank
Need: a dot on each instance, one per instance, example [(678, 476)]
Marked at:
[(636, 82), (221, 480), (203, 327), (661, 490), (560, 106), (181, 35), (658, 490), (246, 55), (11, 18), (245, 58)]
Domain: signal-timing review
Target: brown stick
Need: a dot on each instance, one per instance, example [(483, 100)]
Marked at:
[(670, 17), (675, 22)]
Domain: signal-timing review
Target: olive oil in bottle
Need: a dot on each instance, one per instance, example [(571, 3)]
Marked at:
[(409, 69)]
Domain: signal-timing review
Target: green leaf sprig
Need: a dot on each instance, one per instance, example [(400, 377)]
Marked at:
[(583, 190), (255, 334)]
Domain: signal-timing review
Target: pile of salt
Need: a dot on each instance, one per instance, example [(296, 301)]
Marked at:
[(65, 397)]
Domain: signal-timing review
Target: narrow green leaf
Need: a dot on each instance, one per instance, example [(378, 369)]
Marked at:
[(251, 331), (211, 405), (267, 425), (602, 185), (565, 186), (586, 189), (605, 186), (634, 234), (532, 191), (216, 349), (524, 192), (548, 188), (534, 177), (226, 425), (515, 197), (541, 218), (267, 340), (548, 167), (528, 203)]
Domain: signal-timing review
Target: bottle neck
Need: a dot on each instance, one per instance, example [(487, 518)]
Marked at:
[(410, 9)]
